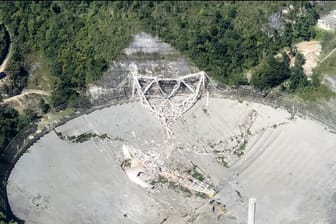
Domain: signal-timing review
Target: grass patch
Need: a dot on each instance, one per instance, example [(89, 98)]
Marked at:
[(328, 66), (39, 77), (319, 33), (311, 93), (51, 118), (325, 36), (328, 42)]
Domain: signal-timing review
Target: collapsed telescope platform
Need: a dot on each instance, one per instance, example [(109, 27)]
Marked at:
[(168, 98)]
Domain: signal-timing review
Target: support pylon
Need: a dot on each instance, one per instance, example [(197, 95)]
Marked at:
[(251, 211)]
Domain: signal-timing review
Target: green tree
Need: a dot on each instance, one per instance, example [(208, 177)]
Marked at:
[(287, 36), (11, 122), (3, 219), (44, 106), (271, 72), (24, 119), (298, 78), (8, 124)]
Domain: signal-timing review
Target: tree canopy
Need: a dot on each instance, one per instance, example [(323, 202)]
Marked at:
[(80, 39)]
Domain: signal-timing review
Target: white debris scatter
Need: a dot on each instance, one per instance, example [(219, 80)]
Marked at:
[(145, 43), (282, 164)]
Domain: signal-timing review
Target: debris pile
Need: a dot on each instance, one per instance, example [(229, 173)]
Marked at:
[(147, 170)]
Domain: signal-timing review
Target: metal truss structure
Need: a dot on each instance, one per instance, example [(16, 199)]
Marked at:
[(168, 98)]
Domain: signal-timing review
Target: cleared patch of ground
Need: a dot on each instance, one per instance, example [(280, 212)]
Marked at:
[(311, 51), (38, 85), (28, 99), (38, 70), (116, 165)]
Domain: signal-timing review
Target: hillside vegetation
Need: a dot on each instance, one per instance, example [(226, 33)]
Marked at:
[(4, 42), (80, 39)]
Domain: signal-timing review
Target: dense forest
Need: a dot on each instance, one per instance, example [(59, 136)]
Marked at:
[(4, 42), (225, 39), (80, 39)]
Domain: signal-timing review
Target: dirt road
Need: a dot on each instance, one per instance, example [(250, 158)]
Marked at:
[(26, 92)]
